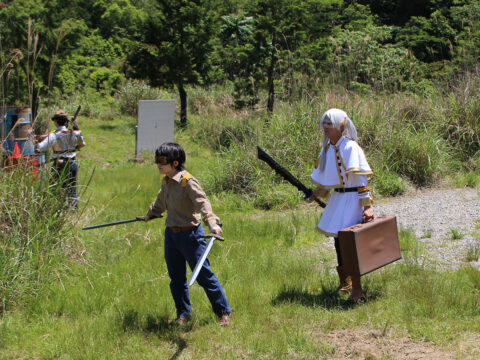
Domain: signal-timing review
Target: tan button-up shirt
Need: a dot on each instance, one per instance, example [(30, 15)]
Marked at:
[(185, 206)]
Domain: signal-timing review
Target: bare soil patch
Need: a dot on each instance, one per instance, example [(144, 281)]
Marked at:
[(372, 344)]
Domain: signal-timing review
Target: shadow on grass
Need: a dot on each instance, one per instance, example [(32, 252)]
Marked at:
[(161, 326), (108, 127), (326, 298)]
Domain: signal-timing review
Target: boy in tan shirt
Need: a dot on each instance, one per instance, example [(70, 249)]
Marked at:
[(186, 204)]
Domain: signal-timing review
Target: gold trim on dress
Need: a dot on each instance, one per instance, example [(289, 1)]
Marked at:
[(339, 172), (326, 233), (366, 202)]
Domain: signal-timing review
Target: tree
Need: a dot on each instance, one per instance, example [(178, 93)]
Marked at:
[(430, 39), (177, 46), (45, 33), (281, 28), (367, 59), (277, 24)]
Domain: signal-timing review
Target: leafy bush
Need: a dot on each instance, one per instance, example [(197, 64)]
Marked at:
[(106, 80), (128, 96)]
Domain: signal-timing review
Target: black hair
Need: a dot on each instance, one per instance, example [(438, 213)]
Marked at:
[(61, 120), (172, 151)]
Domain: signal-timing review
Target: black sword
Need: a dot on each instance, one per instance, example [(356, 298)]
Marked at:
[(262, 155), (138, 218)]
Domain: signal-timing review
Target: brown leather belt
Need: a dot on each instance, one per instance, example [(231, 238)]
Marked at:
[(177, 229)]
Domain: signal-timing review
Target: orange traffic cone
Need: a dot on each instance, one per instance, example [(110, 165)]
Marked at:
[(17, 154)]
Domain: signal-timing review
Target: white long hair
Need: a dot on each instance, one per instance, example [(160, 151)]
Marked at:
[(337, 117)]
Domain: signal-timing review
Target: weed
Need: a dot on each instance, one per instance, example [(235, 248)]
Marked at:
[(473, 252), (467, 179), (427, 234), (456, 234)]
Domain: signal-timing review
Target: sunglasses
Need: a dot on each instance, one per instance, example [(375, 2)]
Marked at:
[(162, 160)]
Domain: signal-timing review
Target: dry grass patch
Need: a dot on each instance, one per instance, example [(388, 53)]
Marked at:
[(374, 344)]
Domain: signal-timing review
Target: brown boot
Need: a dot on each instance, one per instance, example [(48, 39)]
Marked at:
[(224, 320), (357, 293), (345, 281)]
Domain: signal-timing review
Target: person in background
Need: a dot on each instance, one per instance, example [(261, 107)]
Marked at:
[(64, 143), (343, 167), (186, 204)]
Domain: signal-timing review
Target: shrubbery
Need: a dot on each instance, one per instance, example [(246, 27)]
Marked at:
[(133, 91)]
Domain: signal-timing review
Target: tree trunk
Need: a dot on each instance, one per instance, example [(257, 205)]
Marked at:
[(183, 104), (271, 88)]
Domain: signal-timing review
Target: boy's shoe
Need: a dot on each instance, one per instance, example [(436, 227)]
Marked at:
[(181, 321), (224, 320)]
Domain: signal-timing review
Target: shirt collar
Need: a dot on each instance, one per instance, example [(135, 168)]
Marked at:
[(178, 175), (61, 128)]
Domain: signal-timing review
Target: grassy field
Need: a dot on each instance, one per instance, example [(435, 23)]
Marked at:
[(111, 298)]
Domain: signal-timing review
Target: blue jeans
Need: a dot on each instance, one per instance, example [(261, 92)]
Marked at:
[(66, 171), (189, 246)]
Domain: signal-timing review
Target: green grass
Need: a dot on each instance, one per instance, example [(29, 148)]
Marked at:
[(456, 234), (278, 281), (473, 252), (111, 299)]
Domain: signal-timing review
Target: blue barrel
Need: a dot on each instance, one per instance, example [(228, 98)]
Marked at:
[(14, 113), (22, 118)]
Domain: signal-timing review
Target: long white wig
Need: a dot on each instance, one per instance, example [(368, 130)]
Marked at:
[(337, 118)]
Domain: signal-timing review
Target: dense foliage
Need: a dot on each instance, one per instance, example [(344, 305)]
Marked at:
[(272, 49)]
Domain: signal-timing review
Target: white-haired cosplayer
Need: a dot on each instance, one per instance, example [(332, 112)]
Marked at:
[(343, 167)]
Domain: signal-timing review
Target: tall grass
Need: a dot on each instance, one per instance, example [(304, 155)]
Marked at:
[(402, 136), (35, 232)]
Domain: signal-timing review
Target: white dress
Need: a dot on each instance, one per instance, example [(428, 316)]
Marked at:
[(346, 166)]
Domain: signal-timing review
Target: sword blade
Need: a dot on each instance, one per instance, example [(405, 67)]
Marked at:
[(110, 224), (280, 170), (200, 262)]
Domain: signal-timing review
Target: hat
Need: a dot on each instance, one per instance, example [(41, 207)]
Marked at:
[(59, 114)]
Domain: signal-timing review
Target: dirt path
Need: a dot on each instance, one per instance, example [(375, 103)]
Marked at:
[(373, 344)]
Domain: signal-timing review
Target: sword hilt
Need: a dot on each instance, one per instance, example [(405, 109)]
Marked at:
[(217, 237)]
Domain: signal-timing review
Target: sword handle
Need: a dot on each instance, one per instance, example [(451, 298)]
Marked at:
[(217, 237), (320, 202)]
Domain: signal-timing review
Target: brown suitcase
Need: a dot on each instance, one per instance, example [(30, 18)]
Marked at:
[(367, 247)]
